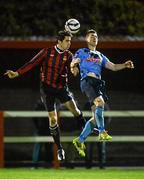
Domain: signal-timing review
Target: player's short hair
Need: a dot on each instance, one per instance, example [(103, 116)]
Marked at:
[(62, 34), (91, 31)]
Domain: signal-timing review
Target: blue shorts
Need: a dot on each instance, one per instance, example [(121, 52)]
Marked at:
[(93, 88)]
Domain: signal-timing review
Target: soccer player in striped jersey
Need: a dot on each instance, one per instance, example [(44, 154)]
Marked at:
[(90, 63), (55, 64)]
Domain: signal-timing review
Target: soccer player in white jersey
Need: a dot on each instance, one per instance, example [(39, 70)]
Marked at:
[(91, 62)]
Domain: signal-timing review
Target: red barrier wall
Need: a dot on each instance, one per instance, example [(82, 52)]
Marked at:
[(75, 44)]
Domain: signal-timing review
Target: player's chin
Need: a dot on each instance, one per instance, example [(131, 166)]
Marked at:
[(67, 47)]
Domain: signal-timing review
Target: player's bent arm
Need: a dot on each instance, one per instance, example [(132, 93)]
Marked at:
[(116, 67), (73, 66), (75, 71), (75, 62)]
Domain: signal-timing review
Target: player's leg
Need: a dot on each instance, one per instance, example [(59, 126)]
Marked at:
[(79, 141), (67, 99), (99, 116), (89, 91), (65, 96), (88, 129), (99, 109), (49, 101), (95, 91), (89, 126), (71, 105), (55, 132)]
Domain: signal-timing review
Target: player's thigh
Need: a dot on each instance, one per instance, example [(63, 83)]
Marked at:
[(49, 97), (66, 97), (49, 102), (71, 105), (89, 90), (92, 88)]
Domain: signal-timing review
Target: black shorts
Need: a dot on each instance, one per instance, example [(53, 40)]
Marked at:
[(50, 95), (93, 88)]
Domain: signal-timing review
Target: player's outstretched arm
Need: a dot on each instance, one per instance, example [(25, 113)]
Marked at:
[(116, 67), (11, 74)]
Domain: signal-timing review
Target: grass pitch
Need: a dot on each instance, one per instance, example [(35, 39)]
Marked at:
[(77, 173)]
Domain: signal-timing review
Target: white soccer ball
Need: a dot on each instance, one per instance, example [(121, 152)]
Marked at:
[(72, 25)]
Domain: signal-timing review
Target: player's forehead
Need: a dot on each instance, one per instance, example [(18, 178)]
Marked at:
[(67, 38), (93, 34)]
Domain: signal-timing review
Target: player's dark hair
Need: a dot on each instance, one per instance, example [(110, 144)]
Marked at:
[(62, 34), (91, 31)]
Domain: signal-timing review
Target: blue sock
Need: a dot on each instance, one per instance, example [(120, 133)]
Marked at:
[(86, 131), (99, 118)]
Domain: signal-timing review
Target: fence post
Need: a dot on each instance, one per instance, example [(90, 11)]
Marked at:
[(1, 139), (56, 163)]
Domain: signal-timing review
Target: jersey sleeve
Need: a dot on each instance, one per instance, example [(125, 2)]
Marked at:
[(105, 60), (69, 59), (36, 60), (77, 54)]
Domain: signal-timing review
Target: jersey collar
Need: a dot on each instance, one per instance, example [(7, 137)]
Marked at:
[(58, 49)]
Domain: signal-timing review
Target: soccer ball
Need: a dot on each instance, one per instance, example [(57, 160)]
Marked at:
[(72, 25)]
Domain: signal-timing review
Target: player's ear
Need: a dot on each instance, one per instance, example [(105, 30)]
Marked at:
[(59, 41), (87, 36)]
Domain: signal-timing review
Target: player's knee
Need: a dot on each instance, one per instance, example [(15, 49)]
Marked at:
[(53, 121), (77, 112), (99, 102), (93, 121), (54, 130)]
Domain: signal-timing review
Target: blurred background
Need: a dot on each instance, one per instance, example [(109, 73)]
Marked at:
[(28, 26)]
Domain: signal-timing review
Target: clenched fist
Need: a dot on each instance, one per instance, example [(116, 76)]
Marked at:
[(129, 64)]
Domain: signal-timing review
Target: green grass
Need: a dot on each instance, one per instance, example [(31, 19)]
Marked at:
[(77, 173)]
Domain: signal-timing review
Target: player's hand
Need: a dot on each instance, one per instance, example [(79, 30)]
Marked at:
[(129, 64), (73, 66), (75, 71), (11, 74)]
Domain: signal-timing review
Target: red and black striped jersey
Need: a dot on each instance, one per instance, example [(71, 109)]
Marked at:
[(54, 65)]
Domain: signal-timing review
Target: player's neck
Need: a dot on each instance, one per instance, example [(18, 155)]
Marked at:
[(59, 48), (93, 48)]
